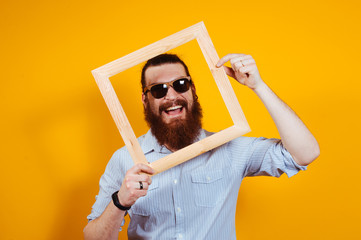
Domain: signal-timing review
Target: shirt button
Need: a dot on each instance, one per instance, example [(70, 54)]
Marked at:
[(175, 181), (208, 178), (179, 209), (180, 236)]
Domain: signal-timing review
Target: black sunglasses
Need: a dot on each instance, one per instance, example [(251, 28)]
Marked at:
[(160, 90)]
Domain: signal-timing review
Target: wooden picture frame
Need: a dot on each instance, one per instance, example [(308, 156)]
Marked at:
[(199, 32)]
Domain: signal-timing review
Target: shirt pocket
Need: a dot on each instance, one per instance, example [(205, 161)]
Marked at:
[(208, 187), (146, 206)]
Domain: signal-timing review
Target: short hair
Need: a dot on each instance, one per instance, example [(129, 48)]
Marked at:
[(160, 60)]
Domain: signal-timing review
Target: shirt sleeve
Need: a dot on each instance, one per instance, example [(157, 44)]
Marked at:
[(268, 157), (109, 183)]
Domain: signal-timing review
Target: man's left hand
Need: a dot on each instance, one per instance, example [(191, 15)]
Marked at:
[(244, 69)]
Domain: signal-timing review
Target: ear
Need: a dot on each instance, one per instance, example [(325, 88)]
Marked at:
[(144, 99), (193, 87)]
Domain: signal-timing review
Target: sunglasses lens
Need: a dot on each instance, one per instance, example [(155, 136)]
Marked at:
[(181, 85), (159, 91)]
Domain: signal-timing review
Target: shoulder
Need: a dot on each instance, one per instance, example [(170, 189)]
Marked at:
[(254, 142), (121, 159), (245, 146), (123, 151), (235, 143)]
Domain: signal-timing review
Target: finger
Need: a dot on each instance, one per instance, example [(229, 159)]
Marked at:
[(134, 177), (248, 61), (140, 167), (130, 178), (241, 61), (229, 71), (246, 69), (240, 58), (228, 57), (138, 186), (237, 66), (145, 185), (141, 193), (141, 178)]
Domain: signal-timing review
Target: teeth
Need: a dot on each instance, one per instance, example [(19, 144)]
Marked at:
[(173, 108)]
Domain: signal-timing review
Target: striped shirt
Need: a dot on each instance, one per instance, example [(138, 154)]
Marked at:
[(196, 199)]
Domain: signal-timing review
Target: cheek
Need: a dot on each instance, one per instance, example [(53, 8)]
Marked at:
[(154, 107), (190, 101), (190, 97)]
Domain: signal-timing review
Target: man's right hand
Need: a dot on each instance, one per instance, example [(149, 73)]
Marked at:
[(107, 225), (130, 190)]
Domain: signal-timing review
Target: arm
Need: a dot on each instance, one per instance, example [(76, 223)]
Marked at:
[(108, 224), (295, 136)]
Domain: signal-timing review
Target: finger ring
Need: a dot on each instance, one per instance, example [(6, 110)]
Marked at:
[(140, 185)]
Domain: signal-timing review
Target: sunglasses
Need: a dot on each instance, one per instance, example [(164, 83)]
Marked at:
[(160, 90)]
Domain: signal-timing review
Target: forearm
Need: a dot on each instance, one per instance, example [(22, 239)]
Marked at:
[(295, 136), (106, 226)]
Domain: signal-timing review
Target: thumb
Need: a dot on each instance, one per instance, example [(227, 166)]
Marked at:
[(229, 71)]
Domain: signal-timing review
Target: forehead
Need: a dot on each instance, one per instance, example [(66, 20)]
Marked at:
[(164, 73)]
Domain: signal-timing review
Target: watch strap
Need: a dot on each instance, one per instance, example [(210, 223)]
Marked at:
[(117, 203)]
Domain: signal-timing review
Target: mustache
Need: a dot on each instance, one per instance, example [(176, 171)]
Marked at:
[(166, 105)]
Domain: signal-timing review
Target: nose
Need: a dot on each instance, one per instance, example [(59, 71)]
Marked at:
[(171, 94)]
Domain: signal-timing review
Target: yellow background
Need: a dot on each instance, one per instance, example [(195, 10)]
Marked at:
[(57, 134)]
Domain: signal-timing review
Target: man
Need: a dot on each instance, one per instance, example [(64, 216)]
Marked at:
[(196, 199)]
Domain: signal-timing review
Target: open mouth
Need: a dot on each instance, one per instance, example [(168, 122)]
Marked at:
[(174, 110)]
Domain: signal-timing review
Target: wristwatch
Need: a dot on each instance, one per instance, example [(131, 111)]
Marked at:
[(117, 203)]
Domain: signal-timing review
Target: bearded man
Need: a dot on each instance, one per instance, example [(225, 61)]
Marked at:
[(196, 199)]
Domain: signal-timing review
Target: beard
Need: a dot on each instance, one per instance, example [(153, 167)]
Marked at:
[(180, 132)]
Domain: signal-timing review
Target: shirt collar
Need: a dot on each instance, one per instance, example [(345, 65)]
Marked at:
[(149, 143)]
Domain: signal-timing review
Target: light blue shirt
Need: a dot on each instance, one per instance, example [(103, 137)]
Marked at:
[(196, 199)]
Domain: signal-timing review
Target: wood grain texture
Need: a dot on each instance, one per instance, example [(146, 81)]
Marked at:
[(199, 32), (120, 118), (197, 148), (222, 81), (150, 51)]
